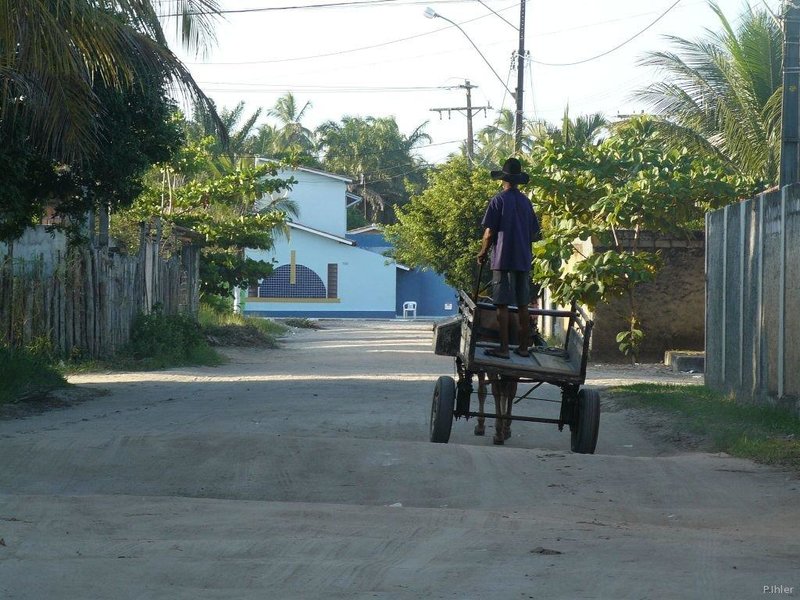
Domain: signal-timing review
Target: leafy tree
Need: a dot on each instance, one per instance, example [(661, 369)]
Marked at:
[(53, 53), (612, 192), (217, 198), (440, 229), (722, 94), (137, 131), (378, 157)]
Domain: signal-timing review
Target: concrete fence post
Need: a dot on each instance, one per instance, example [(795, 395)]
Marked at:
[(723, 328), (758, 380), (782, 297), (742, 251)]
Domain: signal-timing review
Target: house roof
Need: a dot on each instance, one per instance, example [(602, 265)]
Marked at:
[(306, 169), (324, 234), (366, 229), (324, 174)]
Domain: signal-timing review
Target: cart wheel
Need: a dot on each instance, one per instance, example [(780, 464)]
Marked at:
[(444, 397), (587, 422)]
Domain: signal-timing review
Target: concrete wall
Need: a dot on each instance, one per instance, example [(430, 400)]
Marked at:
[(433, 296), (753, 275), (37, 244), (670, 308)]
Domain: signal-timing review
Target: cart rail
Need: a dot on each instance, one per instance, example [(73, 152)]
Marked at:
[(476, 327)]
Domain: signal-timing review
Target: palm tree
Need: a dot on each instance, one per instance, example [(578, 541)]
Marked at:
[(293, 137), (496, 141), (722, 94), (378, 156), (53, 51), (581, 131)]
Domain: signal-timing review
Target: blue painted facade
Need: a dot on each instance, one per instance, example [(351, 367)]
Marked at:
[(319, 270), (433, 296)]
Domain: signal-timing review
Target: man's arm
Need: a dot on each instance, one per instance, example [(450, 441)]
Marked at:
[(486, 243)]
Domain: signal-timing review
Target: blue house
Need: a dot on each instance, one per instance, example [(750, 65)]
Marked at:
[(322, 271), (433, 296)]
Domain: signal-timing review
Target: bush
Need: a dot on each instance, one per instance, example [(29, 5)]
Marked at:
[(224, 328), (26, 373), (220, 305), (161, 340)]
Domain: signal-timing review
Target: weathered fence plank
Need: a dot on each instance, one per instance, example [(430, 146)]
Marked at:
[(86, 299)]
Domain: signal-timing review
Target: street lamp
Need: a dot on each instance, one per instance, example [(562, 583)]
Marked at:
[(432, 14)]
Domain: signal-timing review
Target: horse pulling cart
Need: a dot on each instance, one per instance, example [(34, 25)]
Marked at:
[(469, 334)]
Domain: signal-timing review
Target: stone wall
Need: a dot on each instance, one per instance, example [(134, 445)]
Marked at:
[(671, 308)]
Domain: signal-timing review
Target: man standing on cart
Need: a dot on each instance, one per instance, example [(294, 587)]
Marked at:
[(510, 228)]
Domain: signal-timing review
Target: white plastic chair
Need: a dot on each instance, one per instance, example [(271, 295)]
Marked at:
[(410, 309)]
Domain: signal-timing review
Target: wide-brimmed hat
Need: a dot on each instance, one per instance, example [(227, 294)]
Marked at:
[(512, 172)]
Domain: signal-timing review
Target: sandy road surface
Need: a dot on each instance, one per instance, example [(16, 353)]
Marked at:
[(305, 473)]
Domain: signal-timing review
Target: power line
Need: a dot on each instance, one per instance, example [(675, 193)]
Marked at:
[(324, 5), (614, 49), (322, 89), (348, 51)]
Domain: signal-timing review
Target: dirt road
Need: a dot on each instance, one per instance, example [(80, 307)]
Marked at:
[(305, 473)]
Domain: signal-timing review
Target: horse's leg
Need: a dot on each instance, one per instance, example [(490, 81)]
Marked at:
[(480, 427), (499, 410), (511, 393)]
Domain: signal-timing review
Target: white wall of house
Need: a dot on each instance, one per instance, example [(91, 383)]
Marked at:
[(366, 283), (320, 198)]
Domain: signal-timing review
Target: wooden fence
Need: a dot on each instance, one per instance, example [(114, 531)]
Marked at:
[(84, 300)]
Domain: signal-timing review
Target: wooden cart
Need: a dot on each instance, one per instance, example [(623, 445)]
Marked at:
[(474, 329)]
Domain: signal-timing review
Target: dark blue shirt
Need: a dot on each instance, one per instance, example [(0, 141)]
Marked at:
[(515, 227)]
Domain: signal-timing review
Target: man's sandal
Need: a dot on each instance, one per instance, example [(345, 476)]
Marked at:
[(495, 353)]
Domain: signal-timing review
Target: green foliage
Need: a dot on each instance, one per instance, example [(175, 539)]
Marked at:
[(440, 228), (631, 340), (379, 157), (301, 323), (159, 340), (27, 181), (761, 433), (215, 305), (355, 219), (136, 131), (224, 328), (216, 198), (53, 55), (610, 193), (721, 95), (27, 372)]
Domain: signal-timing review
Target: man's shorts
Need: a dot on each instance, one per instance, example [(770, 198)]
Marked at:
[(511, 287)]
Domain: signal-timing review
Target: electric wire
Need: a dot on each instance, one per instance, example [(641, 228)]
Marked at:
[(321, 5), (349, 50), (614, 49)]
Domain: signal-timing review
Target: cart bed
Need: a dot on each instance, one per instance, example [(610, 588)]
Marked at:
[(475, 329)]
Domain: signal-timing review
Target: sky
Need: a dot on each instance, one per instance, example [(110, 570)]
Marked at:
[(385, 58)]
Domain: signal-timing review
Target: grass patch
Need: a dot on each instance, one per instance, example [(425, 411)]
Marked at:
[(301, 323), (26, 374), (159, 341), (761, 433), (224, 328)]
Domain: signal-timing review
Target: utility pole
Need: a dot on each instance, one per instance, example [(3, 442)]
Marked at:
[(790, 128), (469, 110), (520, 78)]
